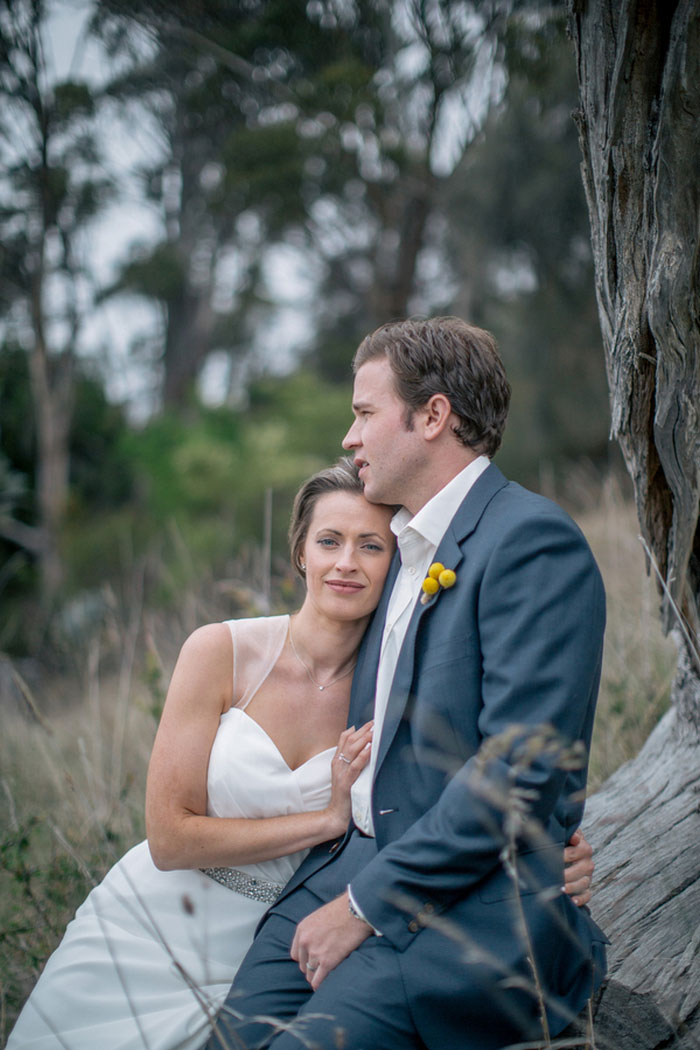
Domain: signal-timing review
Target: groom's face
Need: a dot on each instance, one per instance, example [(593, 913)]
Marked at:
[(387, 452)]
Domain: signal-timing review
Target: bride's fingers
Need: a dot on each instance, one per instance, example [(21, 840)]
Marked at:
[(352, 742), (579, 870)]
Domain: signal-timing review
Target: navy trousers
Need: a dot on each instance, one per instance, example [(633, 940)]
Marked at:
[(361, 1005)]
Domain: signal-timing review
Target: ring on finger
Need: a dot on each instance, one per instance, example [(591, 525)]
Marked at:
[(312, 967), (344, 758)]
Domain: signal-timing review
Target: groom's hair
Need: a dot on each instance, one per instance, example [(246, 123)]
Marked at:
[(445, 355), (341, 477)]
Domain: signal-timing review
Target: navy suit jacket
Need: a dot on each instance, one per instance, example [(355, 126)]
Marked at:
[(494, 674)]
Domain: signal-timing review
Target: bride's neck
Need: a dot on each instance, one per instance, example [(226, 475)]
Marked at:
[(327, 644)]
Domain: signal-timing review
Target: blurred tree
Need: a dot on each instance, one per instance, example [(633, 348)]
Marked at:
[(101, 482), (433, 70), (519, 250), (639, 75), (51, 187), (213, 79), (326, 126)]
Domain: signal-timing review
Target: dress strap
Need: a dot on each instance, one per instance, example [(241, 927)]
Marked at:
[(257, 645)]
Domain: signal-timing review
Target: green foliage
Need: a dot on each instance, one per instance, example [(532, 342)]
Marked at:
[(264, 168), (71, 99), (156, 273), (184, 468), (101, 475), (16, 423), (210, 473)]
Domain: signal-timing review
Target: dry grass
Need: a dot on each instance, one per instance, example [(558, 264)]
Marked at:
[(73, 780)]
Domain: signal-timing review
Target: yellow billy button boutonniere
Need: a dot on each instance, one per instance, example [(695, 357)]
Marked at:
[(438, 576)]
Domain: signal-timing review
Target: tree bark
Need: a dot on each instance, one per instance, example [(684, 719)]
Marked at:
[(639, 126), (52, 394)]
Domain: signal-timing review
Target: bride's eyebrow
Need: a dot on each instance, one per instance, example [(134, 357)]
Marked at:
[(361, 535)]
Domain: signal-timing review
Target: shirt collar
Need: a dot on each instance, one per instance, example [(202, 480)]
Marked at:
[(432, 519)]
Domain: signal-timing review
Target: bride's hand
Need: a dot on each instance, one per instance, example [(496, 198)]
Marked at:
[(578, 873), (351, 757)]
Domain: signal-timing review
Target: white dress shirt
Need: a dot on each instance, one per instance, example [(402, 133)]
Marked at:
[(418, 538)]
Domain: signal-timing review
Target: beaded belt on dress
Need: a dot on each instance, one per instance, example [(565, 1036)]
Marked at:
[(247, 885)]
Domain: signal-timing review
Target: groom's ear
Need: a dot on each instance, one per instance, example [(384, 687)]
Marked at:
[(436, 416)]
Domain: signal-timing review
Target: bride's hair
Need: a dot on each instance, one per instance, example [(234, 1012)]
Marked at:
[(341, 477)]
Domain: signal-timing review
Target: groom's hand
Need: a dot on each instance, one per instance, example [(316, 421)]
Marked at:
[(326, 937)]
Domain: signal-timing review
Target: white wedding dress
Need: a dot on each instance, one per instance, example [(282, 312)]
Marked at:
[(149, 957)]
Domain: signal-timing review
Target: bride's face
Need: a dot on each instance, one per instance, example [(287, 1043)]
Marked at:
[(347, 552)]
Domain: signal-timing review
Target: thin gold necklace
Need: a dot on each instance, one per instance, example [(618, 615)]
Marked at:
[(306, 668)]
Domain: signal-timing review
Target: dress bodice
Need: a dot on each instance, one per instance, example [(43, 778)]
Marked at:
[(248, 777)]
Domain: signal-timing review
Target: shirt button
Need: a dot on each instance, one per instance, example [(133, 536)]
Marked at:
[(411, 571)]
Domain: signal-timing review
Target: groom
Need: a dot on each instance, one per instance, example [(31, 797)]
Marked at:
[(438, 920)]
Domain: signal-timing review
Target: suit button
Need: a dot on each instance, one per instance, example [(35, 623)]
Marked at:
[(413, 926), (428, 908)]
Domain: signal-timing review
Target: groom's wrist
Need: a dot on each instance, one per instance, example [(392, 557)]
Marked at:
[(357, 912)]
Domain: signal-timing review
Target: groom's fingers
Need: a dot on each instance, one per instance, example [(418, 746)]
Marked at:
[(316, 976), (325, 937), (298, 952)]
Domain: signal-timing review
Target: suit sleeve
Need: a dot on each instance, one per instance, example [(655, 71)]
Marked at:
[(540, 620)]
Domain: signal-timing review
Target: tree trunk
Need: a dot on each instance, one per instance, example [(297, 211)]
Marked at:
[(639, 125), (52, 394)]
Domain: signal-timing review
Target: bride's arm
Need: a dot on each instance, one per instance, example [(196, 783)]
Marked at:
[(180, 835)]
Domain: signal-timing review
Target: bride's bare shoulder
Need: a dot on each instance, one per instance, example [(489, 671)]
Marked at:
[(208, 646)]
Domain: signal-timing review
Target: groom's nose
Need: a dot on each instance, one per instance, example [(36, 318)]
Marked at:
[(351, 439)]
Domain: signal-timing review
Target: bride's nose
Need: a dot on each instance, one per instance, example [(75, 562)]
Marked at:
[(347, 558)]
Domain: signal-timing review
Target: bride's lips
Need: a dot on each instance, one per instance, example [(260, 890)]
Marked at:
[(345, 586)]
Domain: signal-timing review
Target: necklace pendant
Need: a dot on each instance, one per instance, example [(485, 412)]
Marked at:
[(321, 688)]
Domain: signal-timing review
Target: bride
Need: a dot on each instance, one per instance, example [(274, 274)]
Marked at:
[(251, 766)]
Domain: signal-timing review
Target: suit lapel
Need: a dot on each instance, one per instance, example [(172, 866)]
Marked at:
[(450, 552)]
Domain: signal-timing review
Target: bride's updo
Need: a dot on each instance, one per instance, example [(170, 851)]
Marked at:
[(341, 477)]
